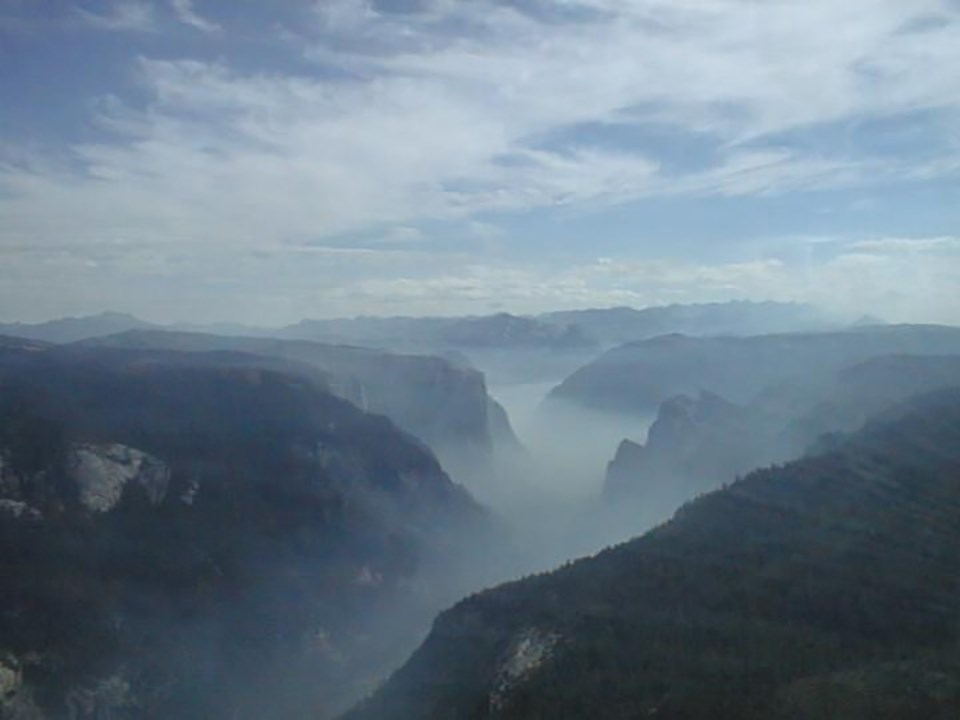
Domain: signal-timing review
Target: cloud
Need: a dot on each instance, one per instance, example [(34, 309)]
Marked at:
[(122, 16), (916, 287), (449, 111), (908, 245), (462, 112), (186, 14), (268, 284)]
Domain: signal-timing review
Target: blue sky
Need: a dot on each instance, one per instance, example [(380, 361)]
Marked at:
[(263, 162)]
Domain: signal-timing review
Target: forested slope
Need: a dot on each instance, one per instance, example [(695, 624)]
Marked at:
[(798, 592)]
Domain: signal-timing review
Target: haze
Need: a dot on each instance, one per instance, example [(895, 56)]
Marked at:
[(349, 350)]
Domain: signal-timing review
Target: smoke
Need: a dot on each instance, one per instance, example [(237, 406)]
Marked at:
[(548, 495)]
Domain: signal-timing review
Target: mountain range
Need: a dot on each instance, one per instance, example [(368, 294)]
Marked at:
[(246, 522)]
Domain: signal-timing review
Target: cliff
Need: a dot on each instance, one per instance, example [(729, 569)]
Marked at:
[(205, 535), (697, 444), (443, 404)]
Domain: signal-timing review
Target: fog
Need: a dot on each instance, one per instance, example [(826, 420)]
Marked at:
[(569, 445), (402, 543), (382, 220), (547, 498)]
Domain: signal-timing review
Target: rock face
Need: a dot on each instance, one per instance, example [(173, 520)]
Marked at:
[(531, 649), (442, 404), (789, 594), (16, 700), (698, 444), (637, 377), (102, 473), (194, 536), (694, 446)]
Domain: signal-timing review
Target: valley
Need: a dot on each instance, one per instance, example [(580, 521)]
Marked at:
[(252, 525)]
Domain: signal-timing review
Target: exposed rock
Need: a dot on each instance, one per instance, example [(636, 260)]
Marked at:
[(101, 472), (305, 513), (695, 445), (105, 699), (189, 493), (531, 648), (19, 509), (10, 678), (16, 702), (369, 577)]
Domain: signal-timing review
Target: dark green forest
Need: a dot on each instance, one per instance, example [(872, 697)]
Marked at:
[(828, 587), (283, 524)]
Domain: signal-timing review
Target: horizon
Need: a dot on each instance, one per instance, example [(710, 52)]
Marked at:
[(182, 322)]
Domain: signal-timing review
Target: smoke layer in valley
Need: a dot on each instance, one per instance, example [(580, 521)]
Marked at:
[(308, 558)]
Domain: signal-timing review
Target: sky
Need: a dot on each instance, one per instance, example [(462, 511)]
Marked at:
[(263, 162)]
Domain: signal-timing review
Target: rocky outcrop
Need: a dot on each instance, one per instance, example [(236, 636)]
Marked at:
[(698, 444), (16, 700), (187, 535), (18, 509), (103, 472), (694, 446), (529, 651), (106, 698)]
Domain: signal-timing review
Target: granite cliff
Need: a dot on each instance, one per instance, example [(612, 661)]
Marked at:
[(199, 535)]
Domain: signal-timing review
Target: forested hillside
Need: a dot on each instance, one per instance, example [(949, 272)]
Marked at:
[(205, 535), (825, 588)]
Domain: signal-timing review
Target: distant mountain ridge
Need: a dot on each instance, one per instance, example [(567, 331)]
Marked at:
[(615, 326), (567, 328), (825, 588), (66, 330), (564, 329), (637, 377)]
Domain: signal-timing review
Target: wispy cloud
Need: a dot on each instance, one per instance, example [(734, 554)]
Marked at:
[(939, 245), (450, 110), (186, 13), (884, 278), (123, 16)]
